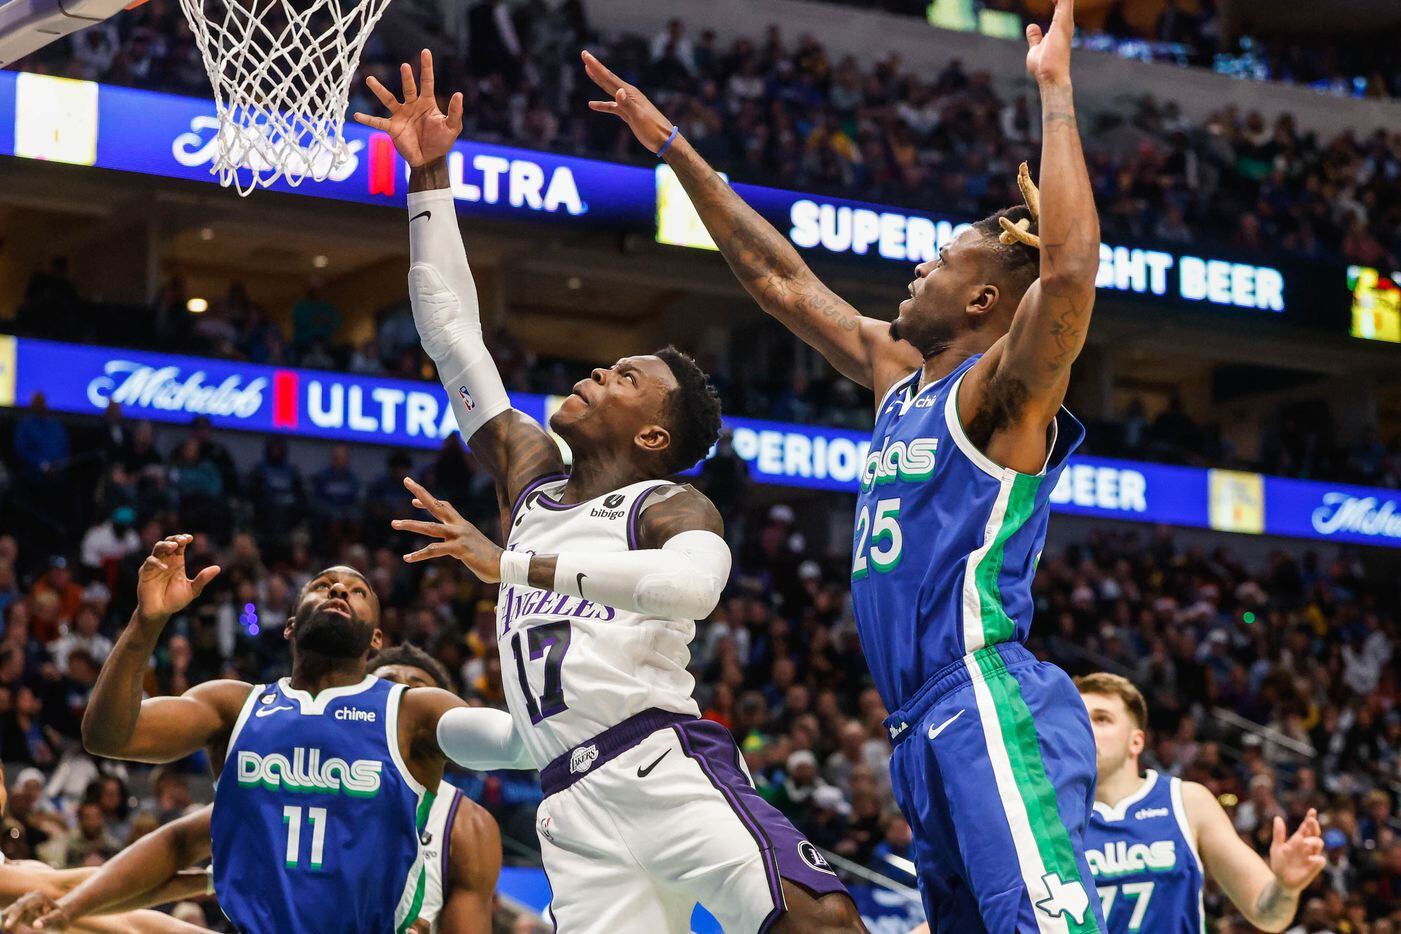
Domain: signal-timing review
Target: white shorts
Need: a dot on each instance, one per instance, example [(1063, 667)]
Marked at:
[(656, 815)]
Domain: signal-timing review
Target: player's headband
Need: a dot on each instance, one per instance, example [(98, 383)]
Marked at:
[(1020, 232)]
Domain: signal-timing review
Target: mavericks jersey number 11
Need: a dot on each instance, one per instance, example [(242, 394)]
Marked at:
[(316, 817)]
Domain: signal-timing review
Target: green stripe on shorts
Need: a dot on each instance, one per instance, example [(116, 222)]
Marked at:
[(1023, 749)]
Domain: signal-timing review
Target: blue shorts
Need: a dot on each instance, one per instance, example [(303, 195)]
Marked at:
[(994, 768)]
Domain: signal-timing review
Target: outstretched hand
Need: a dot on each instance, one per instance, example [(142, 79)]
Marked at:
[(460, 538), (36, 911), (420, 130), (1296, 860), (162, 589), (1048, 54), (628, 104)]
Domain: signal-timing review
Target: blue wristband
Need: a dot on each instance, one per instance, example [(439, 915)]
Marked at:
[(675, 132)]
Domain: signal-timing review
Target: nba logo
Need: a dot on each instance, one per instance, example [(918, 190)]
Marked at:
[(467, 399)]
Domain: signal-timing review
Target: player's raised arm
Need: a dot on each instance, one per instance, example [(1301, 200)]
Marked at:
[(679, 571), (512, 446), (144, 874), (117, 722), (763, 260), (1050, 324), (1267, 894)]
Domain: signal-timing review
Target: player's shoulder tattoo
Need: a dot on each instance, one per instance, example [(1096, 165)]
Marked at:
[(685, 510), (1004, 401)]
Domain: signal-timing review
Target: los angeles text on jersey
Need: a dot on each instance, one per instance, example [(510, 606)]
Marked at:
[(532, 602), (305, 771), (1121, 858), (911, 461)]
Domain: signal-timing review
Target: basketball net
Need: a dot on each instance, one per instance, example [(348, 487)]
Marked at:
[(281, 73)]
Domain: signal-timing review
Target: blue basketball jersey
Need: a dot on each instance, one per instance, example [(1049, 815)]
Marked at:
[(1144, 860), (316, 818), (946, 541)]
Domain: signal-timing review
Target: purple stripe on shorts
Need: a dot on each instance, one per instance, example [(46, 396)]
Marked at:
[(593, 753), (755, 829), (637, 511), (447, 835), (787, 850)]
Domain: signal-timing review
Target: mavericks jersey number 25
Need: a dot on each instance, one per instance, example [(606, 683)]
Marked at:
[(1144, 859), (946, 541), (316, 817)]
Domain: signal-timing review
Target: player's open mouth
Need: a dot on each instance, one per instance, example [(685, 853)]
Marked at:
[(336, 605), (578, 392)]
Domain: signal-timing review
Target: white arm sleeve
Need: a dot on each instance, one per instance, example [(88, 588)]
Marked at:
[(683, 579), (482, 738), (445, 309)]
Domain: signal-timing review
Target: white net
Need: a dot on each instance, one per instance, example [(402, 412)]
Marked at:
[(281, 73)]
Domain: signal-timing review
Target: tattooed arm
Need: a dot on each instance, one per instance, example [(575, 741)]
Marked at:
[(1267, 894), (687, 510), (1011, 396), (765, 263), (678, 569)]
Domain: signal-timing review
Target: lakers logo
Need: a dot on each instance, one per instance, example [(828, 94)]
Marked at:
[(582, 759)]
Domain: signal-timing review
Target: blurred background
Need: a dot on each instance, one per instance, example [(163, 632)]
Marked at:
[(177, 358)]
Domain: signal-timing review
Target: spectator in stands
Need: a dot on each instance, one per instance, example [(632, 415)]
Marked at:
[(94, 50), (170, 796), (277, 494), (494, 44), (384, 498), (25, 735), (672, 54), (52, 290), (315, 321), (894, 855), (83, 634), (41, 444), (198, 486), (110, 541), (211, 449), (59, 596), (335, 500), (90, 839)]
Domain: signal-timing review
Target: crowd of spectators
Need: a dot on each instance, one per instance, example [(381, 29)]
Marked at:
[(783, 110), (1192, 33), (1302, 648)]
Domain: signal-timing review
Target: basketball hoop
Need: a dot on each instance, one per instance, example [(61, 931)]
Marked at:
[(281, 73)]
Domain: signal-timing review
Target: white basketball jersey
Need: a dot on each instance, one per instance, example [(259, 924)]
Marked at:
[(573, 668), (436, 839)]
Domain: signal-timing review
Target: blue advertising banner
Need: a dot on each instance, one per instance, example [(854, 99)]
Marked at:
[(373, 410), (1098, 486), (1308, 509), (84, 123)]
